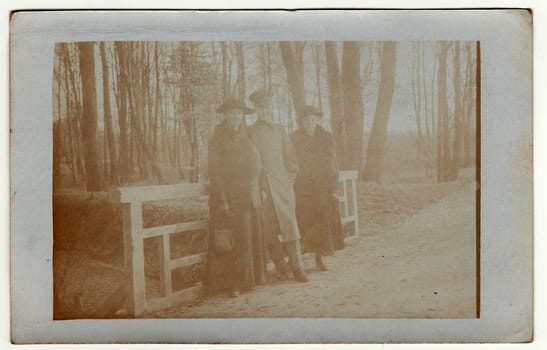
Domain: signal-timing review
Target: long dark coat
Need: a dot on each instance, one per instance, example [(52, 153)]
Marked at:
[(280, 167), (234, 169), (315, 185)]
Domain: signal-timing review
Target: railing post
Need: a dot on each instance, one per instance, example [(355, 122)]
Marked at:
[(138, 257), (166, 262), (128, 257), (344, 182), (134, 257), (355, 208)]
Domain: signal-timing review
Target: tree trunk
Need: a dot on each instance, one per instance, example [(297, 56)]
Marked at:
[(378, 134), (417, 76), (469, 99), (294, 75), (76, 110), (109, 134), (225, 81), (89, 126), (458, 115), (124, 161), (157, 101), (70, 114), (353, 103), (298, 50), (290, 118), (335, 102), (140, 141), (240, 71), (269, 59), (317, 49), (443, 163)]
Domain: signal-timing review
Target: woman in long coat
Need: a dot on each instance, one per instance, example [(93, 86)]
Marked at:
[(234, 169), (316, 186)]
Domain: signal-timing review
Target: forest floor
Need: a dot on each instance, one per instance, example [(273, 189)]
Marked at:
[(415, 257)]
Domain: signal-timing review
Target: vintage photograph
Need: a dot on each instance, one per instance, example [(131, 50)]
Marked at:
[(260, 179)]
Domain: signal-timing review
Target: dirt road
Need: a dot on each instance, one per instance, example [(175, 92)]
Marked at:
[(424, 268)]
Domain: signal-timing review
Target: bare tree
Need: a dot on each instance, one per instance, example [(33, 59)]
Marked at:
[(338, 126), (458, 114), (89, 126), (317, 62), (443, 141), (378, 134), (121, 101), (291, 54), (353, 103), (109, 134), (226, 67), (469, 104)]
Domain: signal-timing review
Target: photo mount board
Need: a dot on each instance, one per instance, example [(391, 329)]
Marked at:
[(506, 169)]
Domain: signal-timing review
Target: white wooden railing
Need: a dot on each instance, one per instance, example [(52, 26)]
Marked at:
[(349, 215), (132, 199)]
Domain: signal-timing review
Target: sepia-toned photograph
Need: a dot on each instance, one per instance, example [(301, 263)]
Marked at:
[(237, 177), (265, 179)]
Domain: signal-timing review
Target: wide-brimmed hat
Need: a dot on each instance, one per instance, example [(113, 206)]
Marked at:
[(261, 96), (233, 103), (309, 110)]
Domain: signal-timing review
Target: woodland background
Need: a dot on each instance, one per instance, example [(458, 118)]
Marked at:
[(128, 113)]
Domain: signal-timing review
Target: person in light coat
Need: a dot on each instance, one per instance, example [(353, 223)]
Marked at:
[(279, 169)]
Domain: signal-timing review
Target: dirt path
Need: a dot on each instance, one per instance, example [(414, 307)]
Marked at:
[(425, 268)]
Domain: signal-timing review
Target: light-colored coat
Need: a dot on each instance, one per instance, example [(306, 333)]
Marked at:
[(279, 169)]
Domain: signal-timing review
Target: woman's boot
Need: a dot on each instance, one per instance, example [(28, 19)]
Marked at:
[(319, 262)]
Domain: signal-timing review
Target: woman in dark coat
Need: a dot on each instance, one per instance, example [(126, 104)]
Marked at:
[(234, 167), (316, 186)]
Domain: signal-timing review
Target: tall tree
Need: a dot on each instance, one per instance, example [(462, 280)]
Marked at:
[(443, 141), (458, 114), (121, 101), (353, 103), (109, 134), (335, 102), (292, 62), (73, 94), (317, 61), (157, 100), (240, 70), (469, 103), (89, 116), (417, 77), (225, 69), (378, 134)]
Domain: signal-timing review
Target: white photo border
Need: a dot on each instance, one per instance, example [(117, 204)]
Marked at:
[(506, 186)]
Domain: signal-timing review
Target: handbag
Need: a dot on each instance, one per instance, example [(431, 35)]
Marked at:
[(223, 236), (223, 240)]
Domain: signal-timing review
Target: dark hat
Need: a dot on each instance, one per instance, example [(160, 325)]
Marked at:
[(234, 104), (309, 110), (261, 95)]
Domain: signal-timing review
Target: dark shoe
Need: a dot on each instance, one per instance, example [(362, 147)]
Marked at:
[(282, 276), (300, 276), (282, 269), (247, 289), (319, 263), (234, 293)]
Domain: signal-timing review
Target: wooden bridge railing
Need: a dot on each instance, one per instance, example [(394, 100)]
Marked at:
[(132, 199), (347, 215)]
